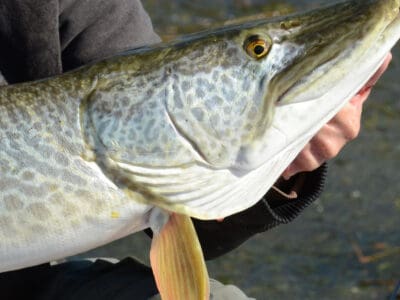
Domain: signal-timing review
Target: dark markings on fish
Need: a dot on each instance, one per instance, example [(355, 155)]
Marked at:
[(39, 211), (12, 203)]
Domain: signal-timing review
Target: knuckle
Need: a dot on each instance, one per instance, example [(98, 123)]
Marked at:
[(328, 148), (331, 151), (353, 131), (348, 122), (308, 162)]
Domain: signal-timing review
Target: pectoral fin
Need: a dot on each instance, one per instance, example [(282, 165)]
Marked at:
[(177, 261)]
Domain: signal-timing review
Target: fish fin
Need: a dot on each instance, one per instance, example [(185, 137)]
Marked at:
[(177, 261)]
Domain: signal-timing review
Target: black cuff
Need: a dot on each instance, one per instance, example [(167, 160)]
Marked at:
[(218, 238), (288, 210)]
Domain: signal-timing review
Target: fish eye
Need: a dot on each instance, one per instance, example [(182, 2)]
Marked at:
[(257, 47)]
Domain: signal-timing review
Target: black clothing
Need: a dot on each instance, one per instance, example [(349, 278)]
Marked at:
[(80, 280), (218, 238), (41, 38)]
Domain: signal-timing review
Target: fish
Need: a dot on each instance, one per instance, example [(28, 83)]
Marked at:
[(200, 127)]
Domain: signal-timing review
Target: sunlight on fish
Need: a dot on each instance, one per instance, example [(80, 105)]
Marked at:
[(201, 127)]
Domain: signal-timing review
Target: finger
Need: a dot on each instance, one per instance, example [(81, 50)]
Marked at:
[(323, 147), (348, 121), (303, 162), (327, 143), (306, 161), (361, 97)]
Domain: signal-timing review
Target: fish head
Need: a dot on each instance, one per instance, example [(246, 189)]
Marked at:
[(256, 89)]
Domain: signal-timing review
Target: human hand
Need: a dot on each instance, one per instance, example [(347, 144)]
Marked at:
[(344, 127)]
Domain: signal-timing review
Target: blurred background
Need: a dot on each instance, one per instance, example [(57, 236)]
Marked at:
[(346, 245)]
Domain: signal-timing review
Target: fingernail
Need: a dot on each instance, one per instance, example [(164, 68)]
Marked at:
[(286, 177), (287, 173)]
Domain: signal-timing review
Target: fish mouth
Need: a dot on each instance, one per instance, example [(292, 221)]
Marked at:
[(338, 47)]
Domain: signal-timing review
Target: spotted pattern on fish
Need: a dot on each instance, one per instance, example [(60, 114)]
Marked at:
[(46, 182), (208, 112)]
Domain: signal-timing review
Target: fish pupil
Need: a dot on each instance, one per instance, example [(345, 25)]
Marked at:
[(259, 49)]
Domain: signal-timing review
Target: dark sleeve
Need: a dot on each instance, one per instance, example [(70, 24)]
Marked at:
[(41, 38), (218, 238), (102, 280)]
